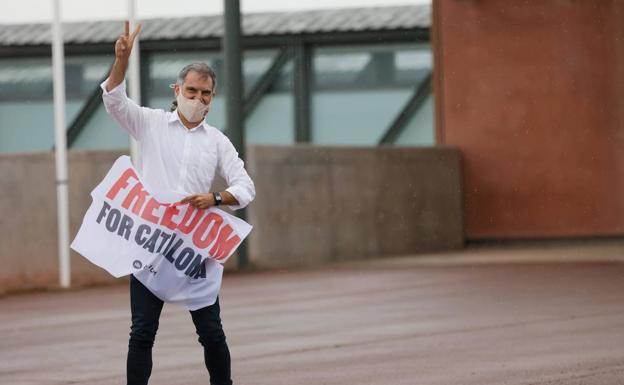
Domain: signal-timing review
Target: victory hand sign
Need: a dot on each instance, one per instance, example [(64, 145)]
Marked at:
[(123, 48), (123, 45)]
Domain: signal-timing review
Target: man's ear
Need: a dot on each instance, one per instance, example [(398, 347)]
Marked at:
[(176, 89)]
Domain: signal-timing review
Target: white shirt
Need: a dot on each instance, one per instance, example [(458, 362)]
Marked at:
[(177, 159)]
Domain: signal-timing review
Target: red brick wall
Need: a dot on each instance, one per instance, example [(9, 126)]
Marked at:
[(533, 95)]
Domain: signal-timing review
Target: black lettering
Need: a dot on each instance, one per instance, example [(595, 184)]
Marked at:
[(125, 226), (150, 268), (164, 237), (150, 245), (194, 265), (169, 254), (185, 257), (138, 238), (112, 220), (102, 213), (201, 272), (173, 236)]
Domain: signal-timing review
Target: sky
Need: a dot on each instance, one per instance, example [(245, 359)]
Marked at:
[(35, 11)]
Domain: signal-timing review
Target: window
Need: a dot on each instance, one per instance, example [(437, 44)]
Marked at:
[(359, 90)]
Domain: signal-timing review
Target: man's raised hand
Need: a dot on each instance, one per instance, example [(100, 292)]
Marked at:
[(123, 45), (123, 48)]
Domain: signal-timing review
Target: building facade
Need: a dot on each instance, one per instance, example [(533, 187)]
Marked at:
[(355, 77), (532, 93)]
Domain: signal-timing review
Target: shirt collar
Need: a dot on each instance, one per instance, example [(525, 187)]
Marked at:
[(174, 116)]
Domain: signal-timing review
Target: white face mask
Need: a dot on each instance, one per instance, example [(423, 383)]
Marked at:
[(192, 109)]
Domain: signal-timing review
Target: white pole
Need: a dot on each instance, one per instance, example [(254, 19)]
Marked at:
[(134, 80), (60, 139)]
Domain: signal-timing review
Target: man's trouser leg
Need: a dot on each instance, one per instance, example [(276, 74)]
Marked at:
[(146, 308), (207, 322)]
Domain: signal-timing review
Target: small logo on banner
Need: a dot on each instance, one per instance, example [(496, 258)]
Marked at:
[(137, 264)]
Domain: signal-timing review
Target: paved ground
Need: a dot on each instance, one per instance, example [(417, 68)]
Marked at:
[(396, 321)]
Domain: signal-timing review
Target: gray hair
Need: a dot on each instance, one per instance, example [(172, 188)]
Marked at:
[(203, 69)]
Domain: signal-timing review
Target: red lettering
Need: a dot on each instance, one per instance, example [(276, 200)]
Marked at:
[(148, 211), (223, 246), (170, 212), (187, 224), (200, 238), (136, 194), (121, 183)]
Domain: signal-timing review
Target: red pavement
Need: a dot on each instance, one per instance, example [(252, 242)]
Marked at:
[(393, 321)]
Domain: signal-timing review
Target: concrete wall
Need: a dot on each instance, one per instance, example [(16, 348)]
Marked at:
[(28, 230), (318, 204), (532, 93), (313, 205)]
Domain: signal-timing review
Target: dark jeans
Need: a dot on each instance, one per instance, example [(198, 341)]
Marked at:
[(146, 308)]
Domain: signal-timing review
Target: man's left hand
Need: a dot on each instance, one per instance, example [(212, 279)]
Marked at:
[(200, 201)]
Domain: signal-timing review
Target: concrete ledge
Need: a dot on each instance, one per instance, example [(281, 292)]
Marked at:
[(28, 231), (317, 204), (314, 204)]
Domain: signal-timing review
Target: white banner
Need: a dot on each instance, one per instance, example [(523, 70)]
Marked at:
[(130, 228)]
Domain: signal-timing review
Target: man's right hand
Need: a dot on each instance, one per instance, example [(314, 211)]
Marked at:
[(123, 49), (123, 45)]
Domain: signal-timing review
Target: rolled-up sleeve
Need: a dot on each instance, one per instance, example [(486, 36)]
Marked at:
[(125, 112), (232, 169)]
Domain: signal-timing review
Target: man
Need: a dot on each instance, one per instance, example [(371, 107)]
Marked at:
[(179, 152)]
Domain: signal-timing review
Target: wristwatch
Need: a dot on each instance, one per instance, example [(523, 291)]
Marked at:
[(217, 198)]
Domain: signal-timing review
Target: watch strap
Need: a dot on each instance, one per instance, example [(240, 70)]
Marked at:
[(218, 199)]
